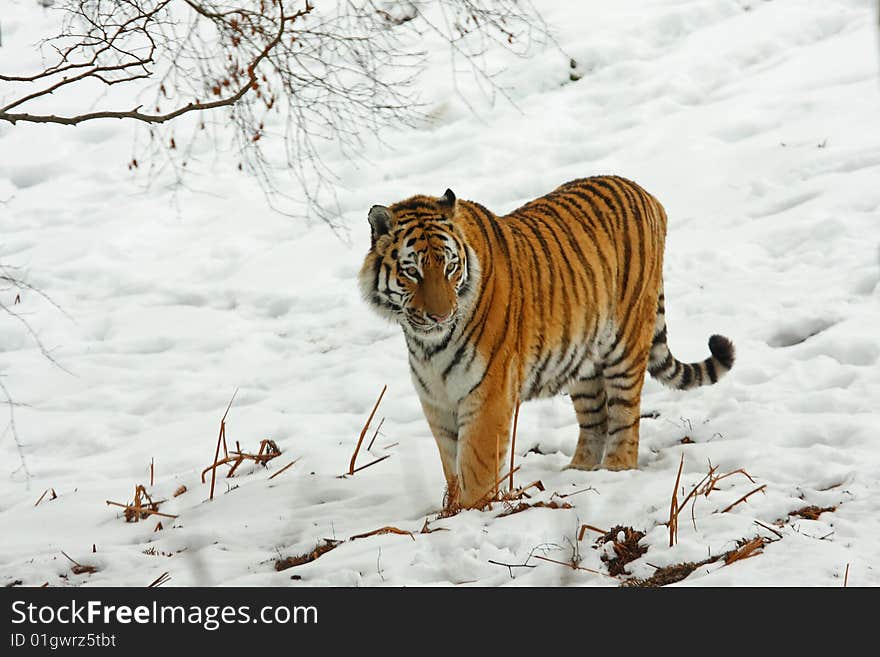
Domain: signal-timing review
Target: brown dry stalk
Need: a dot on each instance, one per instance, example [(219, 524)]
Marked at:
[(351, 469), (745, 497), (584, 528), (152, 469), (285, 467), (78, 568), (428, 530), (521, 492), (52, 490), (746, 550), (699, 488), (180, 491), (140, 509), (158, 527), (769, 529), (383, 530), (673, 507), (483, 501), (724, 476), (704, 487), (308, 557), (375, 433), (159, 581), (577, 492), (523, 506), (812, 512), (220, 437), (513, 446), (573, 566), (846, 576), (268, 451), (675, 573), (363, 467)]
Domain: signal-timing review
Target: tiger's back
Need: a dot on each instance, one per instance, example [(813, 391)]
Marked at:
[(562, 294)]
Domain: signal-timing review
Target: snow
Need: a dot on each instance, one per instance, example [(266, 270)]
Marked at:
[(755, 124)]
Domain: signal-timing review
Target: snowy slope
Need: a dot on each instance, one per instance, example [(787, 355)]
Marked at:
[(755, 123)]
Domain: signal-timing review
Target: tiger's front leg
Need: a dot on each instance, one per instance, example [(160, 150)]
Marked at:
[(484, 420), (444, 426)]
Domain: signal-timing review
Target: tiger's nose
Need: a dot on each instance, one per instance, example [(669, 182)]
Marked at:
[(439, 319)]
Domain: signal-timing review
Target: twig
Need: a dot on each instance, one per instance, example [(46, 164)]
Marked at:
[(584, 528), (746, 550), (159, 581), (376, 433), (511, 566), (846, 576), (221, 436), (44, 495), (78, 568), (480, 500), (673, 507), (745, 497), (151, 472), (769, 529), (71, 559), (562, 496), (351, 469), (378, 460), (383, 530), (11, 426), (285, 467), (131, 507), (572, 566)]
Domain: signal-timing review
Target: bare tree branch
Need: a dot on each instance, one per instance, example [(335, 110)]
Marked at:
[(292, 78)]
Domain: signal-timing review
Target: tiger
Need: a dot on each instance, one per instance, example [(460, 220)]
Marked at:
[(562, 295)]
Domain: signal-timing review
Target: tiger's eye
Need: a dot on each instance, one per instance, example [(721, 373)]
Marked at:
[(451, 268)]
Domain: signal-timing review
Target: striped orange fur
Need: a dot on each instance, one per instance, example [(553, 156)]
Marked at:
[(563, 294)]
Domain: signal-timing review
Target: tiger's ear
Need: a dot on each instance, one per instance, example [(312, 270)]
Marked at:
[(380, 222), (447, 203)]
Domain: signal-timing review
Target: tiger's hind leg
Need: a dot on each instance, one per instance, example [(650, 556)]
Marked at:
[(589, 399), (624, 379)]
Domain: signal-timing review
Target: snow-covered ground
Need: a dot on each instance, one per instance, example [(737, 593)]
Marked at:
[(756, 123)]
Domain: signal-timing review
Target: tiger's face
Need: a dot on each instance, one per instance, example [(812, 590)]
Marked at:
[(418, 269)]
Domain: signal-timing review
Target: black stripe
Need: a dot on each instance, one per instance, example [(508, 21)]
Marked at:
[(710, 370), (578, 396), (623, 428), (660, 337), (589, 411), (687, 376)]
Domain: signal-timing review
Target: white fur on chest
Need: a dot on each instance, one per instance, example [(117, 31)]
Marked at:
[(442, 379)]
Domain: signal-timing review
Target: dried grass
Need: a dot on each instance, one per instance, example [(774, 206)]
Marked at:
[(625, 550), (812, 512), (308, 557), (142, 507), (48, 490), (351, 469)]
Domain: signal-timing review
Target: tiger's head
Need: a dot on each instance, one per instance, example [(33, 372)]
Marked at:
[(419, 270)]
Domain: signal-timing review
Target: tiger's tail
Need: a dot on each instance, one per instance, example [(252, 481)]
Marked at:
[(671, 372)]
